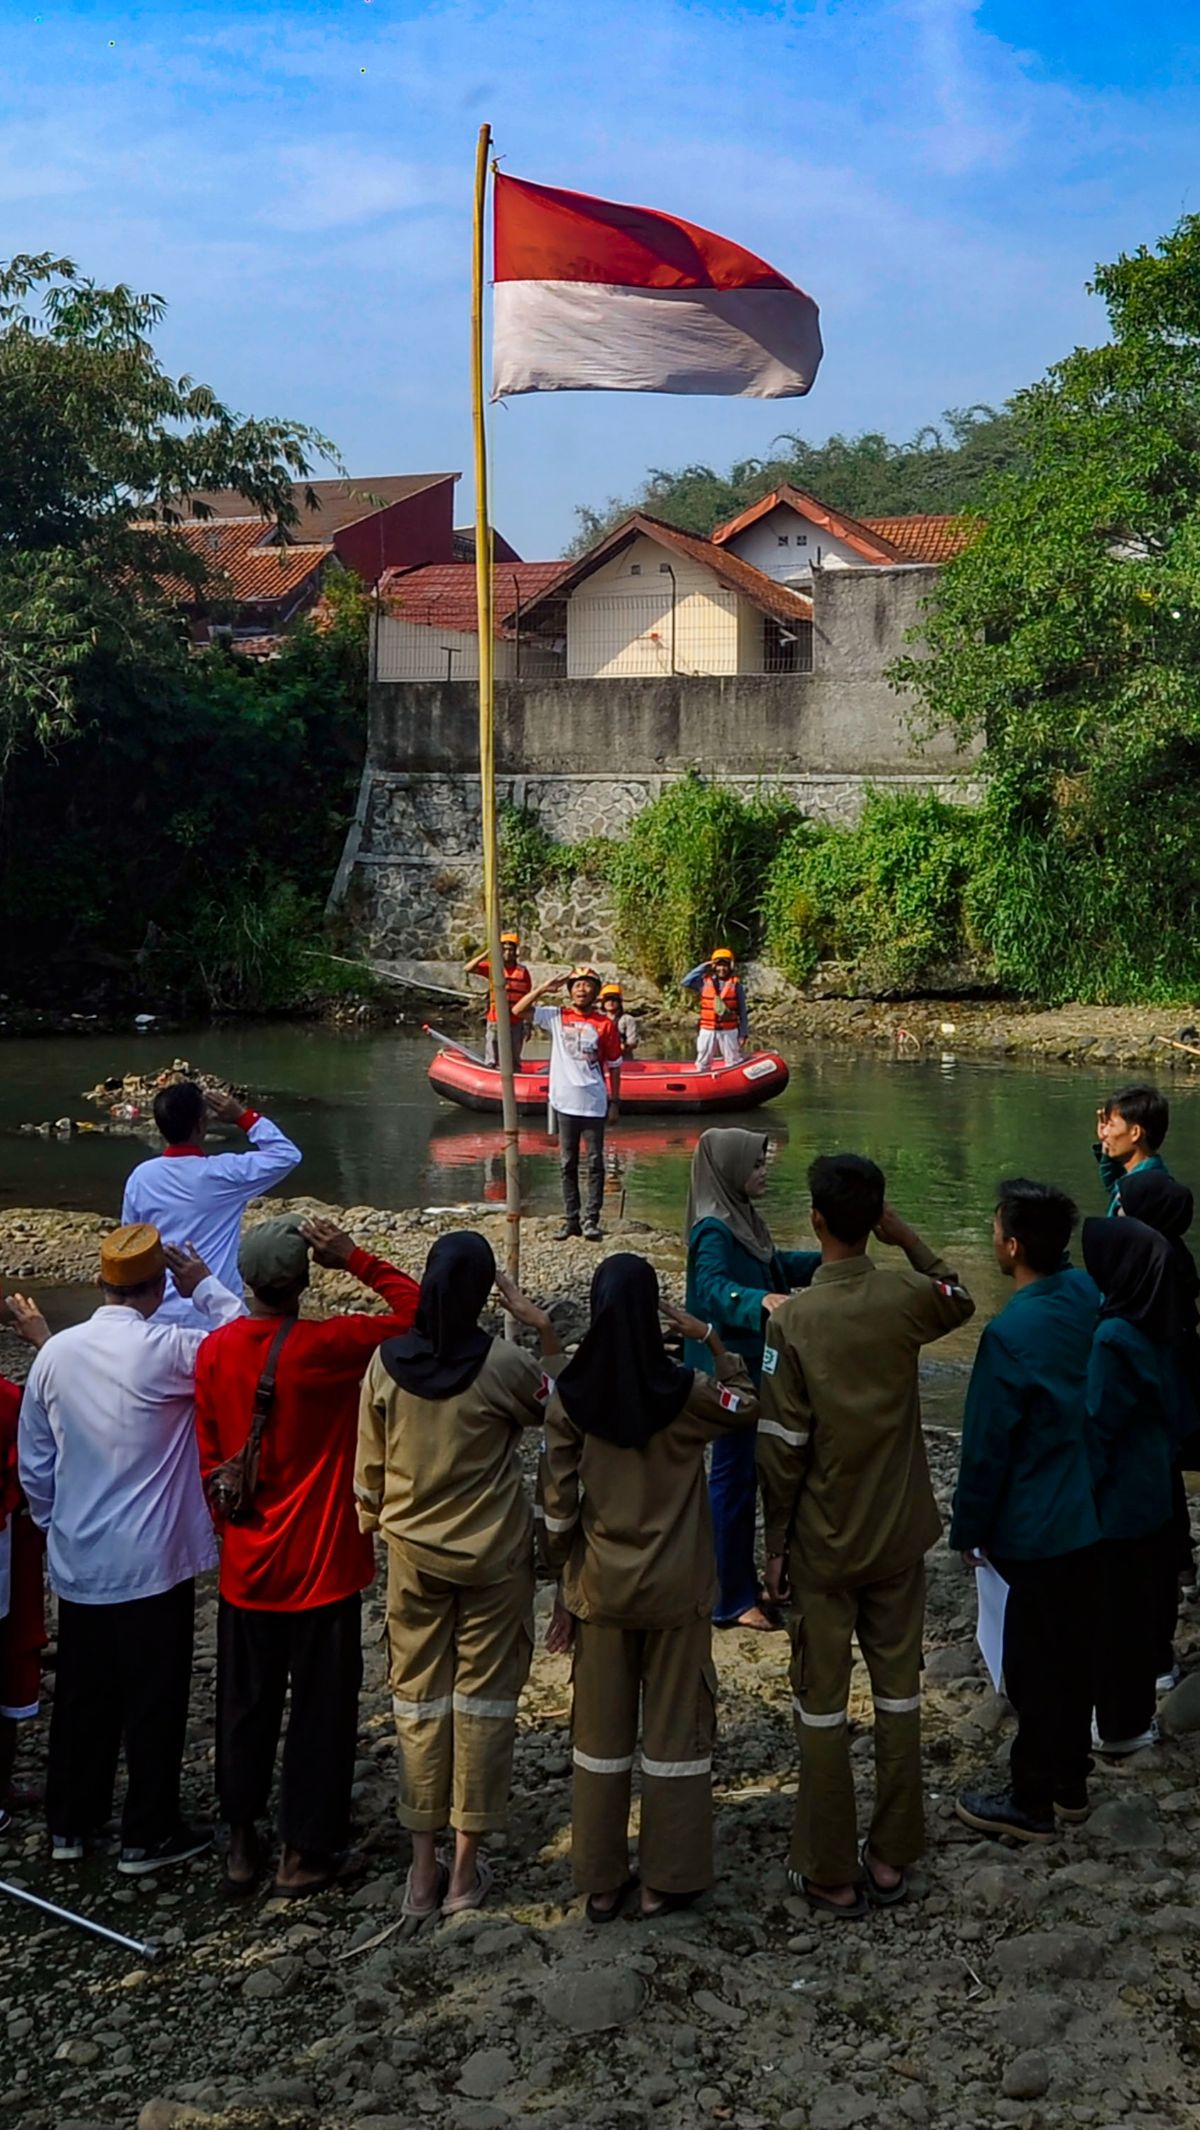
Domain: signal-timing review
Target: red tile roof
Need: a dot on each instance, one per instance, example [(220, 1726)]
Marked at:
[(441, 595), (338, 503), (729, 570), (926, 536), (246, 563), (865, 539)]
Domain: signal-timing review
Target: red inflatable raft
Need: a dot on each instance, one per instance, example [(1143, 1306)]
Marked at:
[(650, 1086)]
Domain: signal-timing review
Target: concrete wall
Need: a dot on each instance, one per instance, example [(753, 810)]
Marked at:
[(585, 758)]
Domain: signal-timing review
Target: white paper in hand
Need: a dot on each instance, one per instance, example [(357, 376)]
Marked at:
[(992, 1592)]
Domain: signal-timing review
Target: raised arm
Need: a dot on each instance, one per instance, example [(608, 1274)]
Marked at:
[(695, 977), (556, 1508), (521, 1006), (940, 1302), (332, 1247), (477, 967), (272, 1154)]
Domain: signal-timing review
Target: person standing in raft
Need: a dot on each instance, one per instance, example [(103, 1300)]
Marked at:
[(612, 1003), (440, 1416), (850, 1515), (623, 1518), (723, 1025), (735, 1278), (517, 984), (1131, 1410), (584, 1044)]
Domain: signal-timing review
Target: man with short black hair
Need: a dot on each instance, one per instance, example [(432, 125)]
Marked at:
[(1130, 1128), (850, 1514), (108, 1465), (1024, 1502), (191, 1197)]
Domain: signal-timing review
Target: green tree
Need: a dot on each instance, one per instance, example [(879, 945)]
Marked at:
[(1067, 638), (95, 436), (945, 467)]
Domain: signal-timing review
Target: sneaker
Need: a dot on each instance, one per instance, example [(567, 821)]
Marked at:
[(1121, 1748), (176, 1849), (1001, 1814), (569, 1230), (1075, 1811), (592, 1231), (1167, 1679), (67, 1848)]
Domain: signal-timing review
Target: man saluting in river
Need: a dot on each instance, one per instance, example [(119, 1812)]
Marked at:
[(584, 1044)]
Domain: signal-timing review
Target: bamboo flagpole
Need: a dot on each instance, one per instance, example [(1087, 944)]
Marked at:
[(484, 594)]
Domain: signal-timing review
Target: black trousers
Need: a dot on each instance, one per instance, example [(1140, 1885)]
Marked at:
[(571, 1132), (1136, 1576), (319, 1653), (1049, 1631), (124, 1672)]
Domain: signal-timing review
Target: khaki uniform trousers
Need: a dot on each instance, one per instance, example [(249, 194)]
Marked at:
[(888, 1619), (671, 1669), (459, 1656)]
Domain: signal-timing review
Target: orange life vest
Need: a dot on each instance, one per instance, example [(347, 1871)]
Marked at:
[(719, 1003), (517, 981)]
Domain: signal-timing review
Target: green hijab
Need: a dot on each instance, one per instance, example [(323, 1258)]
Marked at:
[(721, 1167)]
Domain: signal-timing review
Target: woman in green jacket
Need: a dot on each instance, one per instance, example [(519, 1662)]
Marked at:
[(735, 1278), (1131, 1406)]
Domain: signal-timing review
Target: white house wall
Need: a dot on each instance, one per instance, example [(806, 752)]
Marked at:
[(784, 546), (619, 619), (409, 650)]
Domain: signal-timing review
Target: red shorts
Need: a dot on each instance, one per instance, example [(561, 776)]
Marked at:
[(23, 1633)]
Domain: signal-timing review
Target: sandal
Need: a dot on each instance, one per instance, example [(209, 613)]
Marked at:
[(670, 1905), (609, 1915), (485, 1879), (882, 1896), (342, 1866), (408, 1906), (233, 1889), (821, 1904), (764, 1624)]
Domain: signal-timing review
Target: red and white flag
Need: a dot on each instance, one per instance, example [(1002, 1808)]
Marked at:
[(592, 296)]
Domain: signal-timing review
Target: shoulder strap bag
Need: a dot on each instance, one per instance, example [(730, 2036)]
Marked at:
[(231, 1487)]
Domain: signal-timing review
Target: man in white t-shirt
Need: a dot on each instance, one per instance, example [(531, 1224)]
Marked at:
[(585, 1044)]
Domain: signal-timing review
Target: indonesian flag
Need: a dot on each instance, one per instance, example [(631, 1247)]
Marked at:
[(595, 297)]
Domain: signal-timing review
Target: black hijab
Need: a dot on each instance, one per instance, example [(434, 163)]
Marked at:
[(621, 1385), (1132, 1266), (1161, 1202), (445, 1350)]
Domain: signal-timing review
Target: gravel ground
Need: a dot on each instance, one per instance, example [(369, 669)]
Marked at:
[(1045, 1988)]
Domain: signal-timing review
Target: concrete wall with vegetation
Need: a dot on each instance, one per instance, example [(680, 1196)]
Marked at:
[(584, 757)]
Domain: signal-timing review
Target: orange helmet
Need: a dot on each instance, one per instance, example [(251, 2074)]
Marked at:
[(510, 939), (721, 954), (584, 974), (610, 991)]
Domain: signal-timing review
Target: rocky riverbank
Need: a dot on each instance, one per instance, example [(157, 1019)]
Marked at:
[(1054, 1987)]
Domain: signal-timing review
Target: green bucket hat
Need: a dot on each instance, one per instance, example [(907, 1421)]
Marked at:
[(274, 1254)]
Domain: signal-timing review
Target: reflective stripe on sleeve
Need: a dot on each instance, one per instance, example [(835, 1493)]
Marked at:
[(819, 1723), (557, 1524), (592, 1766), (794, 1437), (422, 1711), (898, 1708), (476, 1705), (677, 1767)]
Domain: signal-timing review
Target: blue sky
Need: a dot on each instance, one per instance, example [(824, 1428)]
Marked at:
[(295, 181)]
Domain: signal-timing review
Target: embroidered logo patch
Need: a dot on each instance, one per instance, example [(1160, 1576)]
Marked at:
[(948, 1287), (770, 1360), (730, 1400), (545, 1389)]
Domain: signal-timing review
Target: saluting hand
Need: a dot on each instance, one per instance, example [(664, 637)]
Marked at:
[(330, 1245), (27, 1319), (223, 1106), (187, 1268), (682, 1321)]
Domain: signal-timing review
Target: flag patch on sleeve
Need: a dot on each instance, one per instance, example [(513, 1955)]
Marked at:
[(770, 1360), (545, 1389), (730, 1400), (948, 1287)]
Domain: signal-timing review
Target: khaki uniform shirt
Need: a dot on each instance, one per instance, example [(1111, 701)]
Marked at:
[(630, 1531), (440, 1477), (841, 1455)]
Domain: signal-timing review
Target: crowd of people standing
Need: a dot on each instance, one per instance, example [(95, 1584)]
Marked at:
[(199, 1414)]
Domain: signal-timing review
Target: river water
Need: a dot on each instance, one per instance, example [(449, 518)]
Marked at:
[(373, 1131)]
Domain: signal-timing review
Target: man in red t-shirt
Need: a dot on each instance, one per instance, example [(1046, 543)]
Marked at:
[(517, 984), (293, 1574)]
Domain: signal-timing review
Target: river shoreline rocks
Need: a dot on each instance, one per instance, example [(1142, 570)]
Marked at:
[(1040, 1988)]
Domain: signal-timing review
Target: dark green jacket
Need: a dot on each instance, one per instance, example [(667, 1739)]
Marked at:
[(1112, 1171), (1024, 1482), (1130, 1423), (726, 1284)]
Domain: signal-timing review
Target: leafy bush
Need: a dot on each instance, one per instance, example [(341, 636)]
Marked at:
[(887, 896), (690, 873)]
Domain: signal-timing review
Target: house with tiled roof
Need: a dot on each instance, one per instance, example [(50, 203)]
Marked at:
[(427, 624), (258, 584), (787, 534), (373, 522)]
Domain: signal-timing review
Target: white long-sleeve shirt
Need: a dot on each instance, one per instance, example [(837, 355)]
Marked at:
[(106, 1447), (200, 1198)]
